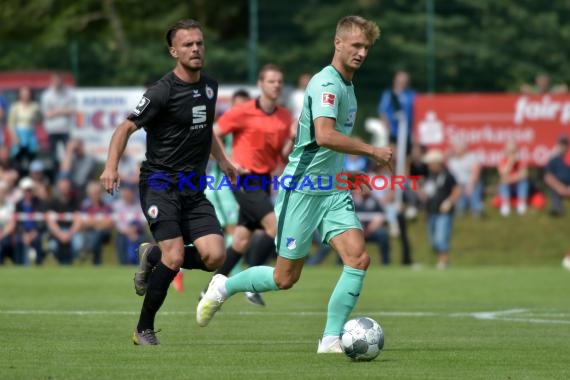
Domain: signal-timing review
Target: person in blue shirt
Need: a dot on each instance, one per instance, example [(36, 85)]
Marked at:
[(399, 98)]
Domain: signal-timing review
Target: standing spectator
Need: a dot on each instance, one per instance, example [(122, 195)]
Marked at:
[(557, 177), (58, 107), (29, 231), (98, 222), (399, 98), (513, 175), (22, 120), (7, 223), (64, 227), (466, 170), (128, 223), (78, 166), (441, 192), (298, 96), (417, 168)]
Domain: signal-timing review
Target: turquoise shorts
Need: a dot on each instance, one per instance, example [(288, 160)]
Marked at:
[(300, 214)]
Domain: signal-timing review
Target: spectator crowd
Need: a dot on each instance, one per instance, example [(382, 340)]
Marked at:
[(51, 202)]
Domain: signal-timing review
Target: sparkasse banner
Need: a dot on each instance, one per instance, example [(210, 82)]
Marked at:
[(487, 121)]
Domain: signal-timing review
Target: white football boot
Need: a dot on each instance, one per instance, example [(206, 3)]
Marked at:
[(329, 346), (212, 300)]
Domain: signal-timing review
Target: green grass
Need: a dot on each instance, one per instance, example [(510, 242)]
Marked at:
[(71, 323)]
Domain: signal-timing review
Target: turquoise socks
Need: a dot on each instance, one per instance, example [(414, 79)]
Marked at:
[(343, 299), (255, 279)]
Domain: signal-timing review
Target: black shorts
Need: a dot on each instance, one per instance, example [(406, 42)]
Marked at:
[(254, 203), (171, 213)]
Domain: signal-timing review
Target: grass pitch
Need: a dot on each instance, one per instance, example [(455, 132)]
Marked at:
[(476, 323)]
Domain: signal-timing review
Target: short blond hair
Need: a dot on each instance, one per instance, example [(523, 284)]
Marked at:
[(368, 27)]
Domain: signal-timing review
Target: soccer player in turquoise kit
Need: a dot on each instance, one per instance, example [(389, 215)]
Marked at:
[(323, 136)]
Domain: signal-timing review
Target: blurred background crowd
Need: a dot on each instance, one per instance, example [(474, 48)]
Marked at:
[(52, 206)]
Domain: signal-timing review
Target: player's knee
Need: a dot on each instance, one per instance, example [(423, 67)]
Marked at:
[(214, 260), (271, 231), (285, 282), (173, 262), (359, 261), (240, 244)]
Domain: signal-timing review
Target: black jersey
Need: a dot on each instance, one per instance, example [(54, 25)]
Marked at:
[(178, 119)]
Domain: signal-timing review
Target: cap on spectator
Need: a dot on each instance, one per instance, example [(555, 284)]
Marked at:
[(26, 183), (563, 139), (36, 166), (434, 156)]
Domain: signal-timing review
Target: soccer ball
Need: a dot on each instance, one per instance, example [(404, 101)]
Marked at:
[(362, 339)]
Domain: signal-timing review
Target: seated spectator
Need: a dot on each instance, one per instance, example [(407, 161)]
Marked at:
[(441, 192), (29, 231), (22, 119), (355, 163), (129, 168), (128, 223), (78, 166), (65, 240), (97, 223), (466, 170), (8, 168), (513, 177), (3, 113), (7, 224), (41, 183), (557, 177), (542, 85)]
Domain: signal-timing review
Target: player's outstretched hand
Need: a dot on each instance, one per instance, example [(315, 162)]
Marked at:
[(110, 180), (384, 157)]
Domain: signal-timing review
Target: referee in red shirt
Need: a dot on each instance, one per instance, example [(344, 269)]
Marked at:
[(261, 131)]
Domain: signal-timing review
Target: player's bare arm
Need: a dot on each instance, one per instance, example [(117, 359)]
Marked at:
[(327, 136), (110, 175)]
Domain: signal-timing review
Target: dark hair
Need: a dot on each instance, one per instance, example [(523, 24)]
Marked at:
[(268, 67), (241, 93), (182, 24)]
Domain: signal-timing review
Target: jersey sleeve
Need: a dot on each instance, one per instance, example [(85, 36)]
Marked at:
[(150, 105), (231, 120), (325, 97)]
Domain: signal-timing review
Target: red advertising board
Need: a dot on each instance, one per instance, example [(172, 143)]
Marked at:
[(487, 121)]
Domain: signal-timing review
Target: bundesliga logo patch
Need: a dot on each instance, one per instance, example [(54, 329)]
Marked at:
[(141, 106), (328, 99)]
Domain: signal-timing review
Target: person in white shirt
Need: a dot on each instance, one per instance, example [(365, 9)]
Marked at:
[(466, 169), (58, 108)]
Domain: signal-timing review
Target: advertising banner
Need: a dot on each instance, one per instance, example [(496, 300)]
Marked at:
[(487, 121)]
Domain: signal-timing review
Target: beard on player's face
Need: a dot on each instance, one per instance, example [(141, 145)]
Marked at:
[(192, 66)]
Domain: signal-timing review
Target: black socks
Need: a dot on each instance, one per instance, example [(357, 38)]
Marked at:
[(158, 283), (232, 258), (262, 249)]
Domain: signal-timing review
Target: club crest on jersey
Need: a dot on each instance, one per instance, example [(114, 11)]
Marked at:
[(152, 212), (209, 92), (328, 99), (291, 243), (144, 102)]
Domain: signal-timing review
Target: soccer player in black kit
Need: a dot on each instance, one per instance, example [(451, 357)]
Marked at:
[(177, 114)]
